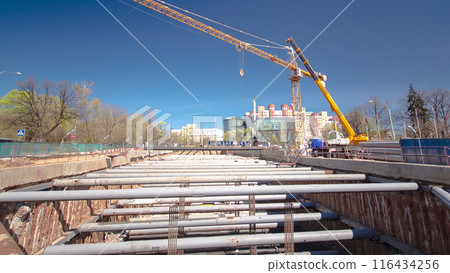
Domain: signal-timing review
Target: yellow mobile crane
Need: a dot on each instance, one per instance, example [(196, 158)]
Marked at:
[(296, 73), (352, 137)]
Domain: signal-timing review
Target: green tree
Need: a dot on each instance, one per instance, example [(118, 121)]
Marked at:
[(417, 103), (274, 139), (326, 130), (247, 134), (159, 131), (240, 134), (229, 136), (187, 134)]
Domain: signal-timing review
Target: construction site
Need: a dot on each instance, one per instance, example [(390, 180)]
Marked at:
[(346, 196), (247, 201)]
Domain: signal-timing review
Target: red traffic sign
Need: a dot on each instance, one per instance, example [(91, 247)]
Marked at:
[(72, 136)]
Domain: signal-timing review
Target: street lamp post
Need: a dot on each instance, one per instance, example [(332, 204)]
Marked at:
[(418, 123), (124, 143), (62, 140), (255, 129), (404, 124), (18, 73), (390, 119), (367, 125), (410, 127), (420, 145), (435, 125), (101, 143)]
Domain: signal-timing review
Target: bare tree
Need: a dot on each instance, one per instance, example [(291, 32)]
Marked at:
[(86, 110), (376, 109), (110, 117), (39, 108), (61, 107), (438, 100), (356, 118)]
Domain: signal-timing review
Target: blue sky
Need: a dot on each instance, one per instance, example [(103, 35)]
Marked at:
[(373, 48)]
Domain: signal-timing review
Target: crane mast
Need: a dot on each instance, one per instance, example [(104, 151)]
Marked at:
[(297, 110)]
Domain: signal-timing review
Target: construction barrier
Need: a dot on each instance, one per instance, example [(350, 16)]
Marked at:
[(42, 148)]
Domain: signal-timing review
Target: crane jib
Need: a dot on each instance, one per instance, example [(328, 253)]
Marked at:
[(318, 78), (216, 33)]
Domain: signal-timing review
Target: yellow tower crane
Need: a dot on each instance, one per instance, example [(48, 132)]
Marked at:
[(296, 73)]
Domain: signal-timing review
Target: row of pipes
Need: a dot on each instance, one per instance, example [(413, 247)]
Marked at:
[(213, 195)]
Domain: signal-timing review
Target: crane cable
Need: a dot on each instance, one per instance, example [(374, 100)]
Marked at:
[(171, 23), (221, 24), (241, 69)]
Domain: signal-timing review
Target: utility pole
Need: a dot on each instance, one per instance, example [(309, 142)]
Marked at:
[(418, 124), (254, 116), (376, 117), (390, 119), (434, 119), (62, 140), (378, 123), (215, 131), (367, 125), (404, 124)]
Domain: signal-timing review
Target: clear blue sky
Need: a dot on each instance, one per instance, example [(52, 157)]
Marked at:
[(373, 48)]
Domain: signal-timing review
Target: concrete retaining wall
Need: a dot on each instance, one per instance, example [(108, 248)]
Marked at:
[(20, 176), (406, 171), (36, 225), (13, 177)]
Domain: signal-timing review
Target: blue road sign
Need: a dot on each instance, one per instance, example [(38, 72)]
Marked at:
[(20, 132)]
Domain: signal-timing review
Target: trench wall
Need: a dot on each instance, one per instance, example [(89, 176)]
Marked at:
[(36, 225), (418, 218)]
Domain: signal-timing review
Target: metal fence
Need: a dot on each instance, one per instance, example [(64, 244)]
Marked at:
[(436, 155), (42, 148), (426, 151), (423, 153)]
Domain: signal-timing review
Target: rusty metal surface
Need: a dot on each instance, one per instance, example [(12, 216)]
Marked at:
[(173, 231), (415, 218), (38, 224), (288, 229), (7, 244), (252, 227)]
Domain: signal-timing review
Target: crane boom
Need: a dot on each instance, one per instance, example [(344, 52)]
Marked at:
[(353, 138), (216, 33)]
